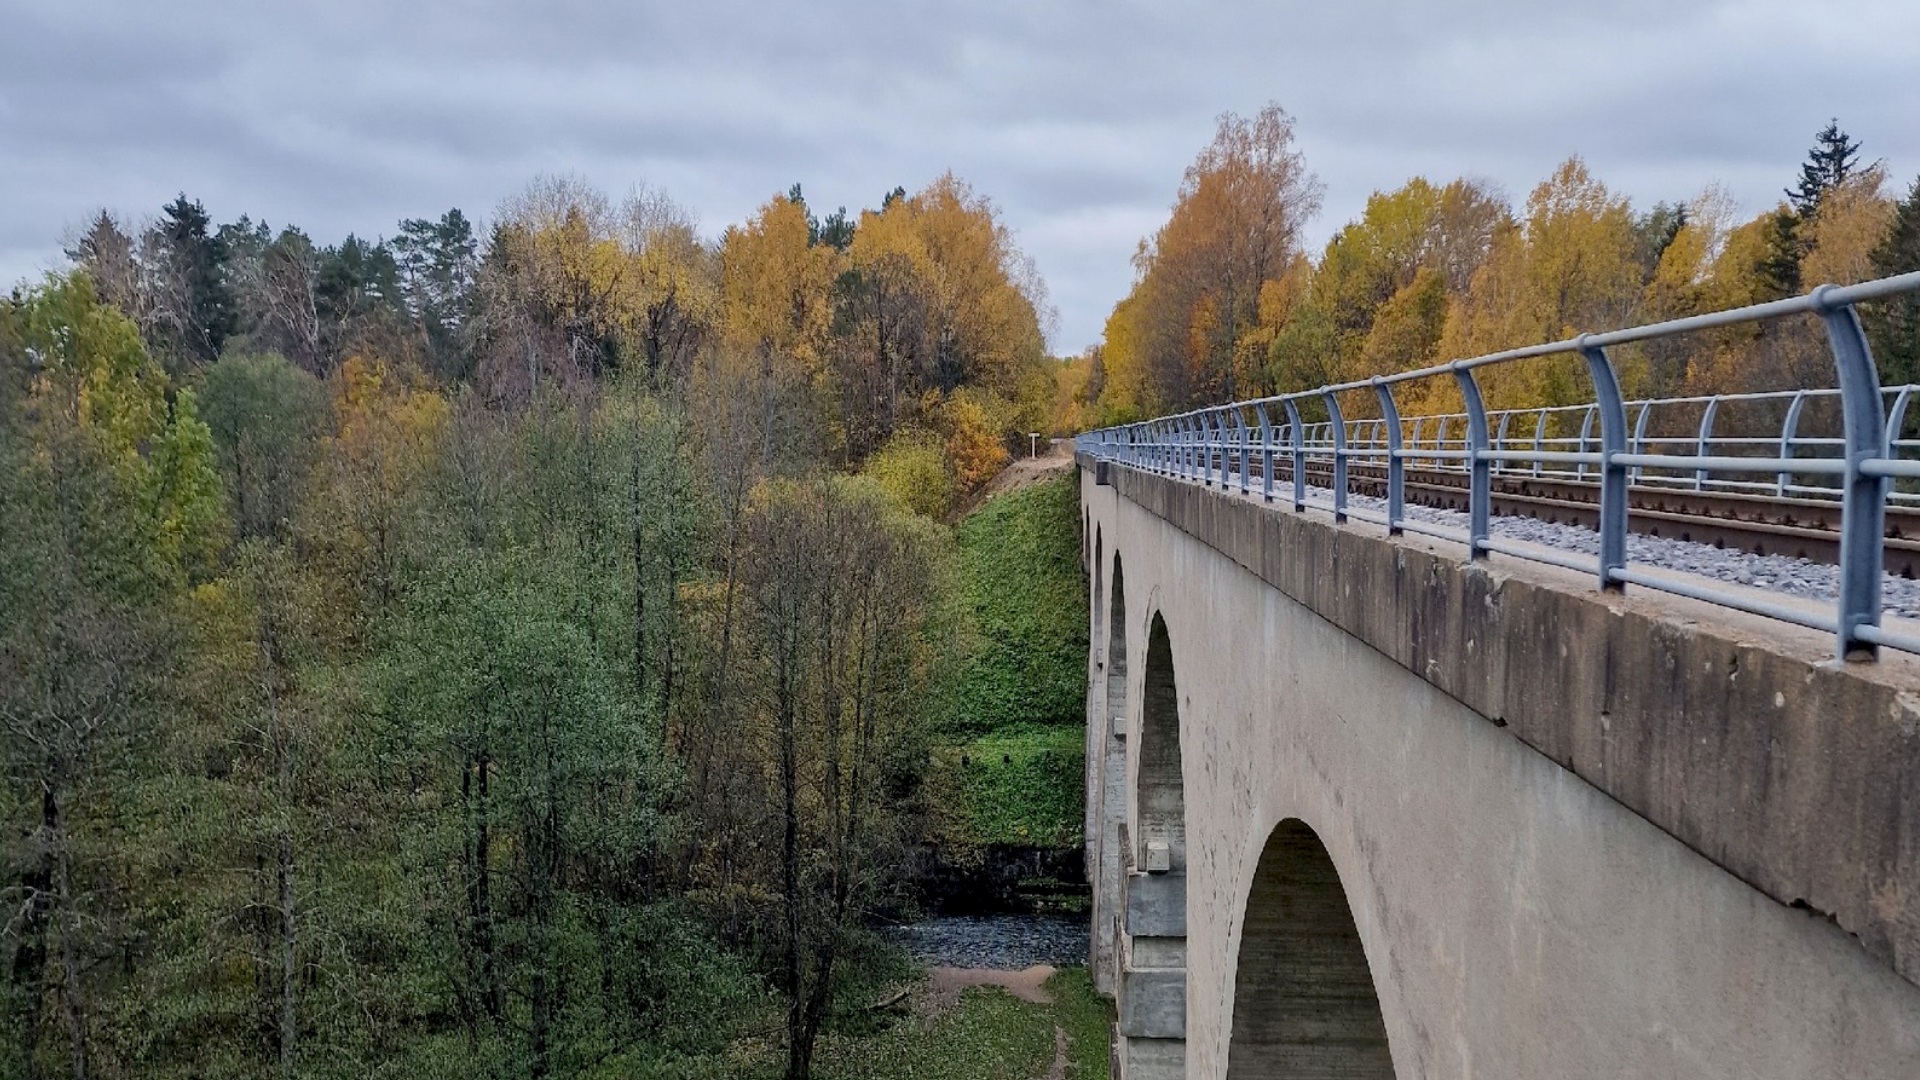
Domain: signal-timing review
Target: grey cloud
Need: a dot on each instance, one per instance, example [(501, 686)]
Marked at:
[(1076, 118)]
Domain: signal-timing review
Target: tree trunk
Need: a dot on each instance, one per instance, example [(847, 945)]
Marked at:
[(639, 589), (29, 973), (70, 951)]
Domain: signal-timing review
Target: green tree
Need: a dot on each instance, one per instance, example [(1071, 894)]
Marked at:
[(438, 260), (266, 417), (195, 304), (1893, 325), (841, 606), (541, 766), (108, 504)]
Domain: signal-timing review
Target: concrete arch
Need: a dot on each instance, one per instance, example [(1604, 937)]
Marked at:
[(1160, 797), (1304, 1003), (1106, 785), (1152, 932)]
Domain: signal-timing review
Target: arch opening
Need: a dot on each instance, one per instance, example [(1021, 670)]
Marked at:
[(1162, 799), (1304, 1003), (1099, 592), (1117, 652)]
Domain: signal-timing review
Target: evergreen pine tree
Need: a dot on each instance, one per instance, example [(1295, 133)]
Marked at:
[(197, 256), (1828, 165), (1831, 161)]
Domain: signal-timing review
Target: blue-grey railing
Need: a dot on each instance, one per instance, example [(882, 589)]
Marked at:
[(1615, 447)]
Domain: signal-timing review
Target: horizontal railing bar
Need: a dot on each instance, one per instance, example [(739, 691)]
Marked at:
[(1371, 517), (1880, 635), (1541, 555), (1892, 467), (1440, 531), (1813, 620), (1819, 466)]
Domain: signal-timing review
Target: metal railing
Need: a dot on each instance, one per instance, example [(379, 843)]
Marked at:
[(1614, 446)]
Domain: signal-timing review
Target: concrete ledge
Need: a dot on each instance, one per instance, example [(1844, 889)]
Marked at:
[(1156, 905), (1153, 1003), (1157, 952), (1799, 775), (1148, 1059)]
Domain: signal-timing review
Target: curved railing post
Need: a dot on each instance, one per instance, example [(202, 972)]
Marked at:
[(1788, 428), (1440, 443), (1704, 441), (1226, 425), (1863, 507), (1500, 439), (1337, 433), (1639, 438), (1613, 475), (1299, 441), (1214, 423), (1208, 437), (1586, 437), (1479, 472), (1246, 469), (1539, 439), (1896, 417), (1396, 468), (1208, 442), (1266, 452), (1225, 443)]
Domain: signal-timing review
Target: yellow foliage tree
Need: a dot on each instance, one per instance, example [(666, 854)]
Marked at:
[(1571, 266), (775, 287), (1235, 226), (976, 446), (390, 427)]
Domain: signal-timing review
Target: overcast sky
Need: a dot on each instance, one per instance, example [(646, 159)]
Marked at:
[(1077, 119)]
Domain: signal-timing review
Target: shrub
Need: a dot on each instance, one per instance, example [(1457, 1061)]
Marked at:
[(913, 470)]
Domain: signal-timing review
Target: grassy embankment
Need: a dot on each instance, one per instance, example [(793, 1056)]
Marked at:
[(1011, 771)]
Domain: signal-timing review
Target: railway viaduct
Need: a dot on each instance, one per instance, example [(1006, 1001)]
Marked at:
[(1360, 807)]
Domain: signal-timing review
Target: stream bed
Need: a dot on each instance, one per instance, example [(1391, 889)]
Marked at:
[(1006, 942)]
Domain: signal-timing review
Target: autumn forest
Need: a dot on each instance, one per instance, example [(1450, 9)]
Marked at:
[(515, 646)]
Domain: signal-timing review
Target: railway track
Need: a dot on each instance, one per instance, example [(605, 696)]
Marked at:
[(1759, 524)]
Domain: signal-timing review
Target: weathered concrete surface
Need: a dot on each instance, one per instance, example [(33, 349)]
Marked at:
[(1106, 761), (1569, 826)]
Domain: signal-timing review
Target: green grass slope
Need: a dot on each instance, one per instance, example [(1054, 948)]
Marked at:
[(1020, 567)]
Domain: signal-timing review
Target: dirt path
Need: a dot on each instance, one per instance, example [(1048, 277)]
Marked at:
[(1059, 1070), (1021, 472), (945, 983)]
